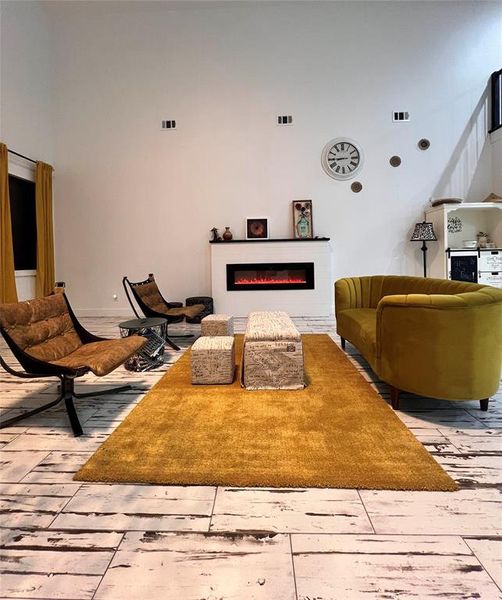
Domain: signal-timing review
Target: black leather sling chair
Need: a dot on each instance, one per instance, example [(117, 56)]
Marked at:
[(151, 302), (48, 341)]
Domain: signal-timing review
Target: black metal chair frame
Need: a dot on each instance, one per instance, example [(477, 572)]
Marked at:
[(148, 312), (37, 369)]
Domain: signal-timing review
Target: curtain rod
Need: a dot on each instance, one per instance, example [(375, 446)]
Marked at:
[(22, 156)]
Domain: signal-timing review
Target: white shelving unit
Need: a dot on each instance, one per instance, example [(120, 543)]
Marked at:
[(474, 217)]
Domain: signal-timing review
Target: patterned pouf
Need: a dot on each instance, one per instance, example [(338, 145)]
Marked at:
[(217, 325), (273, 353), (207, 301), (213, 360)]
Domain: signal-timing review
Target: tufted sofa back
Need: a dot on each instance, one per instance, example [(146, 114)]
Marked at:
[(42, 328), (366, 292)]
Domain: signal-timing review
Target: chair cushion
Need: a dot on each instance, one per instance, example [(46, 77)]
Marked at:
[(42, 327), (151, 296), (102, 357), (184, 311), (358, 325)]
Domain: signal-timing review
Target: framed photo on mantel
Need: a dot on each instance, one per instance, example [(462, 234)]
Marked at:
[(257, 228), (302, 219)]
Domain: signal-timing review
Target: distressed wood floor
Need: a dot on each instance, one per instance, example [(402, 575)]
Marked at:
[(68, 540)]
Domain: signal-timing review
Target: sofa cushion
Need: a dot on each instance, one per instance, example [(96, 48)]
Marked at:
[(359, 327), (102, 357)]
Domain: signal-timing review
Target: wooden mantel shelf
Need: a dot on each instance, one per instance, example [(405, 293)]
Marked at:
[(258, 241)]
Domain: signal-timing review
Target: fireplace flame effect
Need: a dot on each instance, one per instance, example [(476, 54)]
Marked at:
[(269, 280)]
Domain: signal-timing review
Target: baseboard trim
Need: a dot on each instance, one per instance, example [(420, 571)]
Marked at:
[(120, 313), (105, 312)]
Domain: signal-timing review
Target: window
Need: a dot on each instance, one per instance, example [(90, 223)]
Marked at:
[(24, 223), (496, 98)]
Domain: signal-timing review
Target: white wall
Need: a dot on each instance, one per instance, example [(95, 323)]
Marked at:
[(131, 198), (26, 92), (26, 83)]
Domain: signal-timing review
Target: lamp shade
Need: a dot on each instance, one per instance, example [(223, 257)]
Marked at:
[(424, 232)]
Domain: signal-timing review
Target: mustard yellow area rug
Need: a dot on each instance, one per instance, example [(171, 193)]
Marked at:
[(337, 432)]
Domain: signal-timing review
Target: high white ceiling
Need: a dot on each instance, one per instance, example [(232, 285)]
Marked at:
[(75, 7)]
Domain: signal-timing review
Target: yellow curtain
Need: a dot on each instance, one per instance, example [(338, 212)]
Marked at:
[(45, 237), (8, 292)]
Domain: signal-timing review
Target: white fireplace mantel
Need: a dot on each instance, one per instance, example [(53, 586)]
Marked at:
[(308, 303)]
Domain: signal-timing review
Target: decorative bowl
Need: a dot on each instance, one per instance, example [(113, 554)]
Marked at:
[(470, 243)]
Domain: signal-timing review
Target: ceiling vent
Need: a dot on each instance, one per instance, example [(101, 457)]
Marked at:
[(168, 124)]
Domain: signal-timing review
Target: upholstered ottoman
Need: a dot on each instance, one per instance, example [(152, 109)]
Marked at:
[(217, 325), (273, 353), (207, 301), (213, 360)]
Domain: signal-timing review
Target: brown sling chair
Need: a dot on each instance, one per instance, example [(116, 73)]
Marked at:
[(150, 301), (48, 341)]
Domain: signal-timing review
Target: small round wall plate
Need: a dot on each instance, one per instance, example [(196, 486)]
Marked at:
[(424, 144), (395, 161), (356, 187), (342, 158)]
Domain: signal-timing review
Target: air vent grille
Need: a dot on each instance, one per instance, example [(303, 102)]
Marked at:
[(399, 116), (168, 124), (284, 120)]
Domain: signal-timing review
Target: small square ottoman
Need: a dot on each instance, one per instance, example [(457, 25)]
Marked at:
[(213, 360), (206, 301), (273, 353), (217, 325)]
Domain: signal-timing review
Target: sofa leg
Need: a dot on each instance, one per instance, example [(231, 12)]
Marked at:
[(343, 342), (394, 397), (483, 404)]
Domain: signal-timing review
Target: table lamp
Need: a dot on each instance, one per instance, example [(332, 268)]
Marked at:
[(424, 232)]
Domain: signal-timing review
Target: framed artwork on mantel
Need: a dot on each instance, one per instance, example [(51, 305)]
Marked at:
[(257, 228), (302, 219)]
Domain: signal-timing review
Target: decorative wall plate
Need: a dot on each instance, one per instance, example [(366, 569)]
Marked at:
[(257, 228), (342, 158)]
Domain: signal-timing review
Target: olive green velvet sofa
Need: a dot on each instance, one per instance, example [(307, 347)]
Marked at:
[(431, 337)]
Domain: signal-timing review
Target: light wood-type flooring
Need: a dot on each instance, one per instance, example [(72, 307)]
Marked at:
[(70, 540)]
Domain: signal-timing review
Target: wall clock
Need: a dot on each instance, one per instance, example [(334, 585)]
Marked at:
[(342, 158)]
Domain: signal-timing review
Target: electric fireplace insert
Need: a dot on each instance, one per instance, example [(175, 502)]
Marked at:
[(270, 276)]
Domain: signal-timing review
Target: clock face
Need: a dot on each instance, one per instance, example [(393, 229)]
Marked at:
[(342, 158)]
